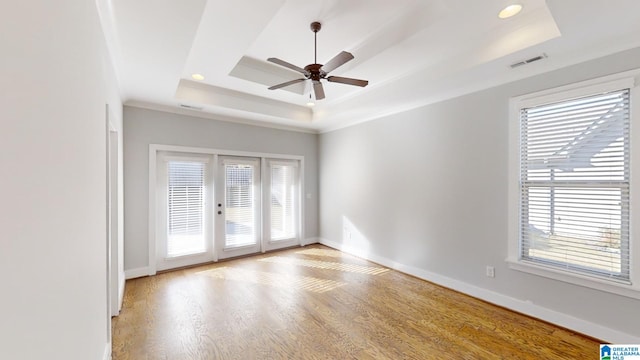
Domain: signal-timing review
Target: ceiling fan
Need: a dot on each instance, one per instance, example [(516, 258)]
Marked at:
[(316, 72)]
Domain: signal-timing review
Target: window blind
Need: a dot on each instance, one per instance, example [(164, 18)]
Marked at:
[(574, 185), (284, 189), (186, 201), (240, 205)]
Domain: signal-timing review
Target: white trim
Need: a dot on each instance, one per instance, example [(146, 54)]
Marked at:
[(572, 91), (268, 243), (311, 240), (233, 160), (525, 307), (107, 352), (108, 227), (162, 260), (152, 221), (513, 183), (628, 79), (303, 201), (281, 162), (575, 278), (223, 152), (138, 272), (121, 293), (195, 159), (214, 224), (264, 193), (223, 250), (218, 117)]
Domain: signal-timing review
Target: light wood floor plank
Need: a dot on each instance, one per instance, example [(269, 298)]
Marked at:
[(318, 303)]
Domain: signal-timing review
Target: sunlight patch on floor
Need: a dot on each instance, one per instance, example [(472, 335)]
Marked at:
[(370, 270), (323, 252), (273, 279)]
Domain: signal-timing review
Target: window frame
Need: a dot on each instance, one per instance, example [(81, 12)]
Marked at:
[(295, 164), (630, 80), (158, 250), (154, 206)]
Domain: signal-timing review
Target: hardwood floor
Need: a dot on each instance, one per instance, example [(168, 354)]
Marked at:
[(318, 303)]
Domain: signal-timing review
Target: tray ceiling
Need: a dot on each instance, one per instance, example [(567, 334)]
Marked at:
[(413, 52)]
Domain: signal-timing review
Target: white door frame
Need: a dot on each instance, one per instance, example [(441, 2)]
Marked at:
[(115, 268), (163, 262), (153, 213), (222, 250), (267, 243)]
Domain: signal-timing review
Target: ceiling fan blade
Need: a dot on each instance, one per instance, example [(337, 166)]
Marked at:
[(288, 65), (336, 62), (274, 87), (348, 81), (318, 90)]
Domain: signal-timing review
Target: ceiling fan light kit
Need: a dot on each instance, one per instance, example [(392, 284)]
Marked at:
[(317, 72)]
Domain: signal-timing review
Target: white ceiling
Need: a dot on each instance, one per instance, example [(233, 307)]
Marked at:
[(413, 52)]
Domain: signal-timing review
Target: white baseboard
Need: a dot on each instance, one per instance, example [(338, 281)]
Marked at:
[(309, 241), (579, 325), (107, 352), (136, 273)]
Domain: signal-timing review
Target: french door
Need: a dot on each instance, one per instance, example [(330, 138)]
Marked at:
[(238, 206), (212, 207), (185, 184)]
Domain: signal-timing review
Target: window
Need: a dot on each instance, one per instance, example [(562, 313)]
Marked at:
[(241, 178), (574, 181), (573, 184), (186, 202), (284, 200)]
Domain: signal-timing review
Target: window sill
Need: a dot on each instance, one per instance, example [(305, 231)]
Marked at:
[(628, 290)]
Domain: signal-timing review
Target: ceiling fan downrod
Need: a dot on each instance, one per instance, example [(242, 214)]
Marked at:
[(315, 27)]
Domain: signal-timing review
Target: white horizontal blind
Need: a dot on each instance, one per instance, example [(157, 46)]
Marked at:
[(284, 199), (575, 185), (186, 202), (240, 218)]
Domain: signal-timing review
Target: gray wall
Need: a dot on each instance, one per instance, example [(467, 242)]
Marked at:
[(143, 127), (428, 189)]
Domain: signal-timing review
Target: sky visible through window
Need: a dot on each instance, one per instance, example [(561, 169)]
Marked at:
[(574, 180)]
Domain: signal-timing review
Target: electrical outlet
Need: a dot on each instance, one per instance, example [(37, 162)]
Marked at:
[(491, 271)]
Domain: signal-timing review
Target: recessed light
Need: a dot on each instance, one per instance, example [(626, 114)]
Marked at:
[(198, 77), (510, 11), (310, 104)]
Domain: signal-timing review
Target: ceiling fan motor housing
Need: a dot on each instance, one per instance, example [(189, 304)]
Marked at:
[(315, 73)]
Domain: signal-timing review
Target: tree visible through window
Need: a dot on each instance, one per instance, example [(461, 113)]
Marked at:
[(574, 185)]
